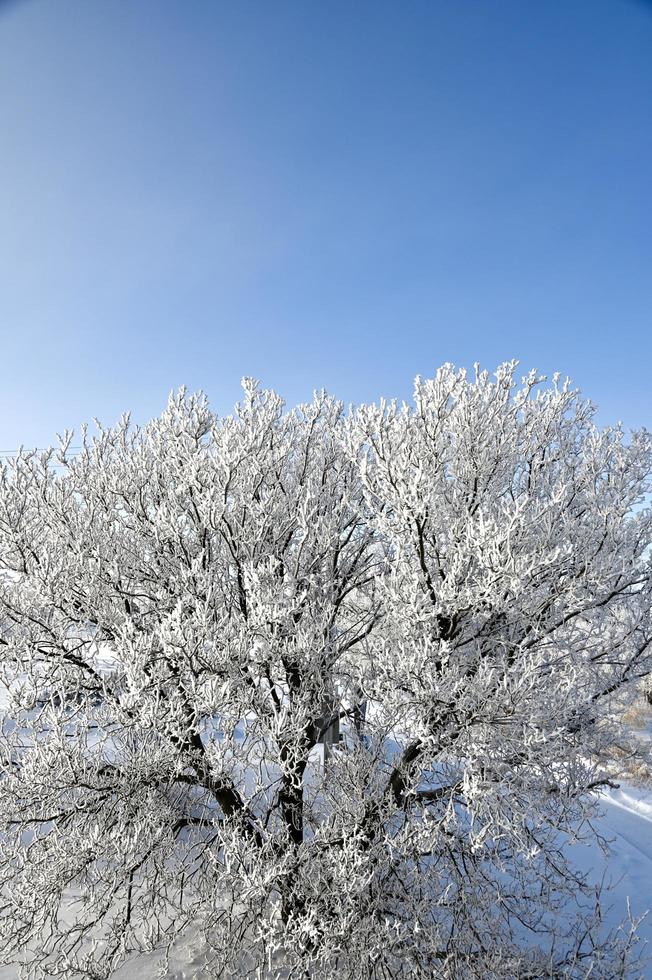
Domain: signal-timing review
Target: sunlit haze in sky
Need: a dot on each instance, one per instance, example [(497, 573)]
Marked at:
[(319, 194)]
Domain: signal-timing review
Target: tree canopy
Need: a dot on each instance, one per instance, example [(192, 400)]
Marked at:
[(193, 612)]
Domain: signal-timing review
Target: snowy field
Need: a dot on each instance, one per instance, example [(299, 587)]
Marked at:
[(626, 823)]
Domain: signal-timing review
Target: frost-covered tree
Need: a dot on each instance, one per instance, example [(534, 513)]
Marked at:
[(191, 611)]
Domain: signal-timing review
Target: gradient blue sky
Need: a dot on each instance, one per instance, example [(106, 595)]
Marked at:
[(337, 194)]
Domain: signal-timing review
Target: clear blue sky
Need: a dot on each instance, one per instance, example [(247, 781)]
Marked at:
[(339, 194)]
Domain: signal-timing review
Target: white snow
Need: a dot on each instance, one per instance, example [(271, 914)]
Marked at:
[(626, 823)]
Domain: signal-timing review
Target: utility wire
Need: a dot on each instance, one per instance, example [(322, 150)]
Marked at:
[(72, 450)]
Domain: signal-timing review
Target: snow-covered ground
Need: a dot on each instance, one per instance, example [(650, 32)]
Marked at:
[(626, 823)]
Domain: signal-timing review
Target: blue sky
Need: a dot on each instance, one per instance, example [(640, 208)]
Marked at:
[(338, 194)]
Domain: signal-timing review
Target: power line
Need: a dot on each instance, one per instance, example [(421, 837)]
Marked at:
[(72, 450)]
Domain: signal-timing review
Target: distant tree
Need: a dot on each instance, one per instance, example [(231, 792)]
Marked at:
[(190, 610)]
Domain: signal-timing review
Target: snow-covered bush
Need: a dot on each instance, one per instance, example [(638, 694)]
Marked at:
[(188, 609)]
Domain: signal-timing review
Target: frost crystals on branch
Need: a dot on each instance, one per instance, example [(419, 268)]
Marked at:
[(190, 614)]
